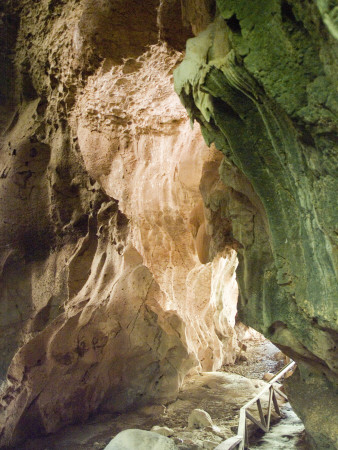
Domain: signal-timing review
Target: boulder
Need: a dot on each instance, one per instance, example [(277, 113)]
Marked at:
[(199, 419), (140, 440), (268, 376), (164, 431)]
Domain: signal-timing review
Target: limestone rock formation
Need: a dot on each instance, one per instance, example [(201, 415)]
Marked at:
[(261, 80), (105, 303), (120, 226), (147, 156)]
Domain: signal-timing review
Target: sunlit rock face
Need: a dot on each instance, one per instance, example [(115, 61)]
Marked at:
[(114, 282), (142, 151), (261, 81)]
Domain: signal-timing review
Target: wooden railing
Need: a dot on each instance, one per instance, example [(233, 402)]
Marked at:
[(241, 440)]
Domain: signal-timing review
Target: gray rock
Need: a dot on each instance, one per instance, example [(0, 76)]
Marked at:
[(165, 431), (140, 440), (199, 418)]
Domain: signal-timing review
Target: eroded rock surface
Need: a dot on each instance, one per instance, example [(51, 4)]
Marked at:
[(119, 225), (111, 287), (261, 82)]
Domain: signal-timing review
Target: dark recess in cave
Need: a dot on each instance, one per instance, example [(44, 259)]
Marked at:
[(287, 13), (233, 24)]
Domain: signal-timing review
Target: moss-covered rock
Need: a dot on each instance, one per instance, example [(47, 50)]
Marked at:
[(261, 82)]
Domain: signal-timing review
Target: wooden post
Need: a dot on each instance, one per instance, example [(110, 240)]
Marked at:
[(256, 422), (246, 436), (275, 403), (261, 414), (242, 428), (269, 408)]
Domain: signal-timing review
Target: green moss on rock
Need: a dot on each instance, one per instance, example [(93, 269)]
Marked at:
[(259, 81)]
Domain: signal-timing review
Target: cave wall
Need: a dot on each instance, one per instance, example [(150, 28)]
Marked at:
[(261, 81), (119, 225), (114, 285)]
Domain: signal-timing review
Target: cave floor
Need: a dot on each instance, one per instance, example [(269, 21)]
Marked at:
[(221, 394), (260, 357)]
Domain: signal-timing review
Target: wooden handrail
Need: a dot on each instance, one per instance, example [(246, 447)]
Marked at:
[(241, 439)]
